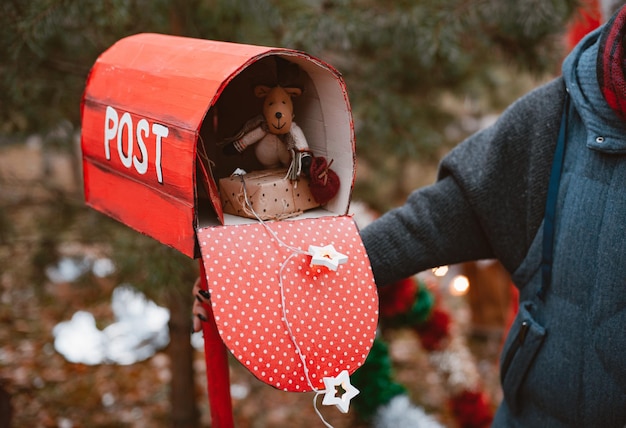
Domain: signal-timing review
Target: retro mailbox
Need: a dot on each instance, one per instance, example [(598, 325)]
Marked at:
[(294, 300)]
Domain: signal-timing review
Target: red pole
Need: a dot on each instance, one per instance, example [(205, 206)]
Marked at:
[(217, 372)]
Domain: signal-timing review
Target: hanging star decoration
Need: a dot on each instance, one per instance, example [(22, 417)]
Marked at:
[(339, 391), (326, 256)]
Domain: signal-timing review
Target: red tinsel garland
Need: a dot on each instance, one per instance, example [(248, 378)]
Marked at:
[(397, 298), (435, 330), (471, 409)]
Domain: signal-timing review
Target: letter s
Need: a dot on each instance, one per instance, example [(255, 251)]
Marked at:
[(141, 163)]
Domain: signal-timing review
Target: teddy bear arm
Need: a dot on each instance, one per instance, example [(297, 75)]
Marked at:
[(298, 138), (252, 137)]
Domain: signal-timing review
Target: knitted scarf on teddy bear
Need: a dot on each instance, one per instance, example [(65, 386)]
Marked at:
[(611, 63)]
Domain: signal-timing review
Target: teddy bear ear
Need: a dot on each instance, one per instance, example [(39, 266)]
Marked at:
[(294, 92), (261, 91)]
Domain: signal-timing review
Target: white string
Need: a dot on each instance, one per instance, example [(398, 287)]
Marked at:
[(294, 252), (291, 335), (319, 414)]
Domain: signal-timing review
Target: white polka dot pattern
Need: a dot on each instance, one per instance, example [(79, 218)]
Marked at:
[(333, 315)]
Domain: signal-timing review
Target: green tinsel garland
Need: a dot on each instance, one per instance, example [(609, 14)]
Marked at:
[(419, 312), (375, 381)]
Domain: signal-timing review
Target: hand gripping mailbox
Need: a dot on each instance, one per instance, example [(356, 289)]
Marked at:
[(154, 110)]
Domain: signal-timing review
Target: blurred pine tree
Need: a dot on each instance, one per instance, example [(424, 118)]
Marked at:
[(399, 57), (403, 59), (396, 54)]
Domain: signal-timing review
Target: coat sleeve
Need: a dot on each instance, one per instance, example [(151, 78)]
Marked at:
[(488, 200)]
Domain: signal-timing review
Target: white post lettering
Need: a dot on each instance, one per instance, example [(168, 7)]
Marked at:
[(119, 128), (109, 131), (126, 158), (161, 132), (141, 163)]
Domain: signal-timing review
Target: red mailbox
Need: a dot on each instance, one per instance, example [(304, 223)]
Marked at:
[(152, 105), (155, 108)]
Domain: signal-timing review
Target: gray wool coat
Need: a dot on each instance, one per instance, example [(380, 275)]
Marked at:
[(564, 359)]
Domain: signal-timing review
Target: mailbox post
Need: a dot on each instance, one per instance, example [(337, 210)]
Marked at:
[(153, 111), (217, 371)]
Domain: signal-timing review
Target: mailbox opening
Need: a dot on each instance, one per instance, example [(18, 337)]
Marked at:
[(328, 131)]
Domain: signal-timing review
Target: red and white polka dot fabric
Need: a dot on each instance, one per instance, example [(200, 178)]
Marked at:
[(332, 315)]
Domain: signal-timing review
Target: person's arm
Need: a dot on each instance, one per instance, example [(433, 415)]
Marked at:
[(434, 227), (488, 201)]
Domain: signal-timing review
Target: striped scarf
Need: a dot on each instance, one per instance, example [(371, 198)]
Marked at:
[(611, 63)]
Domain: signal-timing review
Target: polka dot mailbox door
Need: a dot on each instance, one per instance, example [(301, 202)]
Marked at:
[(329, 317)]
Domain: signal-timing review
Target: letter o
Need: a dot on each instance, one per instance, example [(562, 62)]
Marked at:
[(125, 121)]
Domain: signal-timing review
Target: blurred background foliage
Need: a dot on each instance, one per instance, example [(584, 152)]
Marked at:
[(398, 57), (401, 59), (421, 76)]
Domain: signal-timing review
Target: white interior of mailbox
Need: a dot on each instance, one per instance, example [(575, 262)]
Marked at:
[(322, 111)]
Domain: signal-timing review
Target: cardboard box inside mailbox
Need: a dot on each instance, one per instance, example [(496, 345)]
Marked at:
[(155, 109)]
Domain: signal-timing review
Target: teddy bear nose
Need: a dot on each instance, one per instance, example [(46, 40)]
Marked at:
[(278, 115)]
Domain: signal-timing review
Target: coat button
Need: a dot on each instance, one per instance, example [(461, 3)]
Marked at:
[(599, 140)]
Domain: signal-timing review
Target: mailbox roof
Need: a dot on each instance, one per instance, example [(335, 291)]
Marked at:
[(169, 78)]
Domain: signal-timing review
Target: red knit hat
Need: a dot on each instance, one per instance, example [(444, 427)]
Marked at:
[(611, 63)]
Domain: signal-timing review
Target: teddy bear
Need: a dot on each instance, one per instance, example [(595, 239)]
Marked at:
[(277, 139)]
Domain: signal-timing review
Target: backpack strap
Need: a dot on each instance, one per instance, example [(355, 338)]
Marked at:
[(550, 213)]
